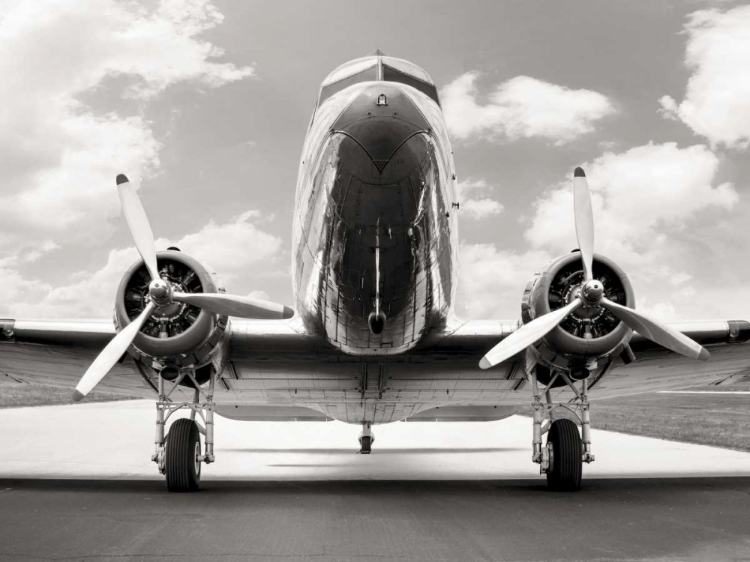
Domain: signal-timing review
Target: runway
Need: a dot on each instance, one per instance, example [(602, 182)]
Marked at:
[(114, 440), (76, 483), (644, 519)]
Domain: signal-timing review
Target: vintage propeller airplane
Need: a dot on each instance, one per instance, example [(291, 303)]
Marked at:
[(373, 338)]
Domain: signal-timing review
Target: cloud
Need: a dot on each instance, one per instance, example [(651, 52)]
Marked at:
[(481, 208), (717, 98), (477, 207), (233, 249), (58, 155), (650, 204), (29, 253), (637, 195), (492, 281), (42, 250), (521, 107), (17, 289), (258, 295)]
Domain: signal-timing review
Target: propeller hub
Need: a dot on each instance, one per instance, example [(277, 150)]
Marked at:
[(160, 292), (592, 292)]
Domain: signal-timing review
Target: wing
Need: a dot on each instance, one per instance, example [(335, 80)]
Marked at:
[(276, 370), (655, 368), (58, 352)]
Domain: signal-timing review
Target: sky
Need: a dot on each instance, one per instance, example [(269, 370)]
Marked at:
[(205, 104)]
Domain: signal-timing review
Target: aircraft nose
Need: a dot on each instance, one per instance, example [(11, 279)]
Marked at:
[(383, 122)]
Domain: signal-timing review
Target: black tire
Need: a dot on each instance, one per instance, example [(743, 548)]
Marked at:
[(566, 457), (365, 445), (183, 444)]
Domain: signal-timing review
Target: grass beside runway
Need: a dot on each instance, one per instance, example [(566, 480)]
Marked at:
[(719, 420), (20, 395)]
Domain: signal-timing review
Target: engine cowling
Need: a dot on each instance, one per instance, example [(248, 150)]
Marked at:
[(574, 314), (179, 335), (588, 333)]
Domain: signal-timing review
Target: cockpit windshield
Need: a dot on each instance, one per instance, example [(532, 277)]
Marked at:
[(378, 67)]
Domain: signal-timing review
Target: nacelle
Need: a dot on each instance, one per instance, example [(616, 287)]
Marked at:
[(589, 333), (179, 335)]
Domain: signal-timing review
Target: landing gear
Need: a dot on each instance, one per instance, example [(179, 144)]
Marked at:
[(366, 439), (565, 456), (183, 453), (562, 458), (179, 455)]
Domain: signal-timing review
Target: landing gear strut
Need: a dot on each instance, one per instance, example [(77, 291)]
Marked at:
[(366, 439), (179, 455), (562, 458)]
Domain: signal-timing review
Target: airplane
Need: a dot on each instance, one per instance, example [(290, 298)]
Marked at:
[(373, 337)]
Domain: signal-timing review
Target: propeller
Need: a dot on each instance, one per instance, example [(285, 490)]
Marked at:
[(160, 293), (231, 305), (590, 295), (111, 354), (584, 220)]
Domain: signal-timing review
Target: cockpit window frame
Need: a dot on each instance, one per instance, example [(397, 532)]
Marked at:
[(426, 88), (379, 68), (367, 75)]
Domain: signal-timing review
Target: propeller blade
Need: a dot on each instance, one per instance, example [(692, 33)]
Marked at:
[(526, 335), (656, 332), (233, 305), (111, 354), (584, 219), (140, 228)]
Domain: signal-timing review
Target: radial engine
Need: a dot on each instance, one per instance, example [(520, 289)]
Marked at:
[(587, 338), (177, 335)]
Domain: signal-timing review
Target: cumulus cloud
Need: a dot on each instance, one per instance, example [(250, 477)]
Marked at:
[(236, 248), (29, 253), (233, 248), (649, 203), (58, 155), (258, 295), (473, 204), (717, 98), (637, 195), (492, 281), (16, 289), (522, 107)]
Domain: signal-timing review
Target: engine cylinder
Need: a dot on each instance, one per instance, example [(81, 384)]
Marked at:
[(178, 335), (589, 332)]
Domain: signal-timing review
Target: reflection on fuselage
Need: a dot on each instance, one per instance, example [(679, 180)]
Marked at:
[(374, 199)]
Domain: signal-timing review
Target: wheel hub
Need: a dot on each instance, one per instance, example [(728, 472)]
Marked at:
[(196, 458)]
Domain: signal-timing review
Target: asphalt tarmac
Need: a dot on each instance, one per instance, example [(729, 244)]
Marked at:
[(76, 484), (696, 519)]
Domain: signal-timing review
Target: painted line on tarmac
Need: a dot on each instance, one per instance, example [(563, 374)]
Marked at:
[(704, 392)]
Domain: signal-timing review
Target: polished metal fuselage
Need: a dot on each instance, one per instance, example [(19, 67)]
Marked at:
[(374, 231), (373, 227)]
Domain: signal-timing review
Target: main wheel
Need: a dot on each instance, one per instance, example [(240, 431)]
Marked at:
[(365, 445), (183, 449), (566, 456)]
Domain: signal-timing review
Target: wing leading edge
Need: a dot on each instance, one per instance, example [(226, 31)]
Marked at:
[(56, 352)]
